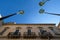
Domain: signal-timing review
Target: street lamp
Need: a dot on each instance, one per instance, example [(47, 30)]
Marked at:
[(42, 11), (43, 2), (19, 12)]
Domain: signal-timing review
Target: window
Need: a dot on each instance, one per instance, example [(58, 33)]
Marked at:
[(51, 28), (17, 28), (4, 30), (40, 27), (56, 33), (29, 27), (29, 30), (41, 30)]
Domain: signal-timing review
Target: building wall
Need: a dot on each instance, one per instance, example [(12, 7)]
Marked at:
[(23, 28)]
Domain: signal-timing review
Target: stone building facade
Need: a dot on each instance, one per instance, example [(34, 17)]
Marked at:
[(30, 31)]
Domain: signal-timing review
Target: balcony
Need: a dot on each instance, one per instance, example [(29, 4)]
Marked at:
[(29, 35), (45, 34), (15, 34), (2, 32)]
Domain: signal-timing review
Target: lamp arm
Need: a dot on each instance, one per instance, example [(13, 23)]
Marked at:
[(7, 16), (52, 13)]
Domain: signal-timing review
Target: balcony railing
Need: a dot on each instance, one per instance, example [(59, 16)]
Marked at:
[(56, 32), (45, 34), (15, 34), (31, 35), (11, 35)]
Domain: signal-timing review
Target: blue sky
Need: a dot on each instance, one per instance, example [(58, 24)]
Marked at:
[(31, 9)]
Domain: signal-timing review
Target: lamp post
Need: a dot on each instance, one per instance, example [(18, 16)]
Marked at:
[(52, 13), (19, 12), (42, 11)]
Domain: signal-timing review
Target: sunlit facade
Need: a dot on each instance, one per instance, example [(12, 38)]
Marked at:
[(15, 31)]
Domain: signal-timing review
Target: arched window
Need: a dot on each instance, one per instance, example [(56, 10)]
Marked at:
[(29, 30), (17, 28), (40, 27), (51, 28)]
